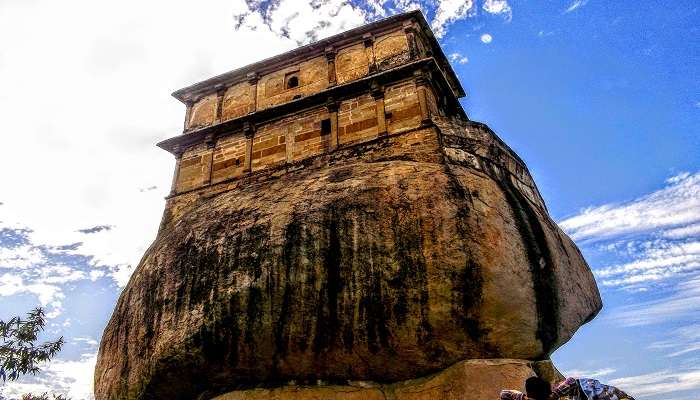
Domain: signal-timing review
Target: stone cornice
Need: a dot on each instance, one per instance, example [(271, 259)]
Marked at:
[(319, 48), (406, 71)]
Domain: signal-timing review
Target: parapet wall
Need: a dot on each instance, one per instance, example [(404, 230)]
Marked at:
[(475, 145)]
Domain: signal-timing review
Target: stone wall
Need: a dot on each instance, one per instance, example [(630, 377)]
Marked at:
[(193, 169), (357, 120), (229, 158), (402, 106), (296, 137)]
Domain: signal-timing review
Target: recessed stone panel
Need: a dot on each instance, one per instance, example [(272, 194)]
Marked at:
[(391, 50), (238, 101), (311, 77), (203, 112), (351, 63)]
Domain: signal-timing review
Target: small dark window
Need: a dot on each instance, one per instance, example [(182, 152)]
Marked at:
[(238, 162), (292, 82), (388, 115), (296, 96), (325, 126)]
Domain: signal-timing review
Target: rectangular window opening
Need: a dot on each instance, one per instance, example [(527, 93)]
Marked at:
[(325, 126)]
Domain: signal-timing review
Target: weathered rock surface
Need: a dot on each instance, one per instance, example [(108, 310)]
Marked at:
[(466, 380), (384, 262)]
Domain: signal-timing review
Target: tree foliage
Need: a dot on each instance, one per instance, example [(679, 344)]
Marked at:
[(19, 355), (44, 396)]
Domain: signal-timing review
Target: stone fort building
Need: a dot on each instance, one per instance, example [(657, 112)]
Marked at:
[(374, 83), (338, 228)]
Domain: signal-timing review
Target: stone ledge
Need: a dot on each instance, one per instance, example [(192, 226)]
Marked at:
[(465, 380)]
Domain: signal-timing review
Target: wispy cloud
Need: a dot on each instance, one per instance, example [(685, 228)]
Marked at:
[(682, 304), (682, 341), (575, 5), (458, 58), (449, 11), (675, 206), (307, 21), (498, 7), (653, 238), (95, 229), (663, 382), (486, 38), (590, 373), (653, 260)]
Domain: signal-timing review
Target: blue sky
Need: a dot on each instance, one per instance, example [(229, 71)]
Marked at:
[(600, 98)]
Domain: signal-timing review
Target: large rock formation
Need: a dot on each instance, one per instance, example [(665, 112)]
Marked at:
[(336, 218), (383, 266)]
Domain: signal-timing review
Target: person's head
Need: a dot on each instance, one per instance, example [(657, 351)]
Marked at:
[(537, 388)]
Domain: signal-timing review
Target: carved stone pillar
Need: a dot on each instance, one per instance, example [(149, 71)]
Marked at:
[(177, 151), (369, 51), (210, 141), (332, 106), (253, 81), (188, 114), (330, 56), (220, 104), (409, 27), (421, 87), (378, 95), (249, 132)]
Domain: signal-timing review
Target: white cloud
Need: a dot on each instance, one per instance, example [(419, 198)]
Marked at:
[(653, 260), (47, 295), (305, 22), (449, 11), (683, 304), (658, 383), (458, 58), (85, 339), (675, 206), (576, 4), (486, 38), (590, 374), (73, 378), (654, 238), (498, 7)]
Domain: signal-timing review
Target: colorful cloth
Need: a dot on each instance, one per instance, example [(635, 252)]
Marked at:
[(576, 389), (512, 395), (588, 389)]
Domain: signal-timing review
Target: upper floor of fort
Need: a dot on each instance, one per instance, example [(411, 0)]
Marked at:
[(335, 61)]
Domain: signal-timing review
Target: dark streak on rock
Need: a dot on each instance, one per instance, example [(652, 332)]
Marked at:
[(541, 264)]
